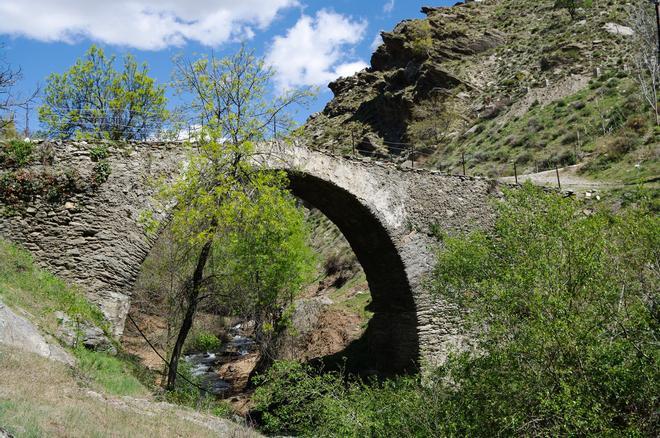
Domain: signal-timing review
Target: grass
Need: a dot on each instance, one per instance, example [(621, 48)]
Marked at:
[(601, 124), (41, 398), (354, 302), (112, 374), (44, 398), (24, 285)]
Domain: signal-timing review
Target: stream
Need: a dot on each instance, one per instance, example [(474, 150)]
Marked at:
[(205, 365)]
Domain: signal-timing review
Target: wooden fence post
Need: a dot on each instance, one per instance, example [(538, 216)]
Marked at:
[(515, 172)]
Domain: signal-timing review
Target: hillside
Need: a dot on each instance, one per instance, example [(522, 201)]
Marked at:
[(495, 82)]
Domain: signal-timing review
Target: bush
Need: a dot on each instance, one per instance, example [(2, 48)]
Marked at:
[(637, 124), (619, 146), (565, 308), (98, 153), (15, 153), (569, 302), (204, 342), (101, 173)]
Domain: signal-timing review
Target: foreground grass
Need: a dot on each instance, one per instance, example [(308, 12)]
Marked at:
[(112, 374), (39, 398)]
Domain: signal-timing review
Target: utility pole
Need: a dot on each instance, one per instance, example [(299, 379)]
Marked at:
[(275, 127)]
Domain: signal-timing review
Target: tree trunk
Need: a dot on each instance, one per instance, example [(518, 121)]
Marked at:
[(186, 325)]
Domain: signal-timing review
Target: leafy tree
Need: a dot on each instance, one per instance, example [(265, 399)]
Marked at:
[(93, 99), (567, 313), (231, 95), (246, 229)]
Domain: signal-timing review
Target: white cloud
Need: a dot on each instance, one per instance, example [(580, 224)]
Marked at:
[(378, 40), (388, 6), (316, 50), (143, 24)]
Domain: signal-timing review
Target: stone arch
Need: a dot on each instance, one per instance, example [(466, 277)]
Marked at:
[(390, 343)]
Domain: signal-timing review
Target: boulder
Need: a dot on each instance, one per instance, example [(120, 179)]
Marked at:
[(18, 331), (618, 29), (72, 333)]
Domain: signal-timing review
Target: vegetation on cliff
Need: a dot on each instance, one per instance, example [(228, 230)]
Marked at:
[(484, 84)]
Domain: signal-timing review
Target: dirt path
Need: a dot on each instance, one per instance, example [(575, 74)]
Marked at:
[(569, 178)]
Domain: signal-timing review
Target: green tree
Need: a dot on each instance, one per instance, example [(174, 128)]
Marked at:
[(572, 6), (93, 99), (563, 306), (249, 235)]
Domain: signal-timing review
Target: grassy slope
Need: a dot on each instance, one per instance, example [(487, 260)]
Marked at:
[(39, 397)]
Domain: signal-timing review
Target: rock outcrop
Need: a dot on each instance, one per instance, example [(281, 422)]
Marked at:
[(434, 78), (18, 331)]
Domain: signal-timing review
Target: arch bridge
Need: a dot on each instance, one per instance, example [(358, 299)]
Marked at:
[(387, 214)]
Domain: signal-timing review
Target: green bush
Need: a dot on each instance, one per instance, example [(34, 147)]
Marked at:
[(101, 172), (569, 302), (564, 306), (204, 342), (98, 153), (15, 153)]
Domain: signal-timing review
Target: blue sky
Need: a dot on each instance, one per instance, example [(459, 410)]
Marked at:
[(309, 42)]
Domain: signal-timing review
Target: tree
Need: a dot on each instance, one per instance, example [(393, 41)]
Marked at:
[(243, 223), (93, 99), (644, 53), (572, 6), (230, 95), (566, 310), (9, 101)]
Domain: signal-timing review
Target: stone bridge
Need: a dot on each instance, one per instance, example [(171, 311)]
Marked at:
[(386, 213)]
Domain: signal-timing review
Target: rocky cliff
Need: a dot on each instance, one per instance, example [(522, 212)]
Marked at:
[(461, 80)]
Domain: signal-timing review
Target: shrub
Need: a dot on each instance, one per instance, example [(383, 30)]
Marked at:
[(569, 138), (204, 342), (569, 303), (98, 153), (636, 123), (565, 310), (619, 146), (15, 153), (101, 173)]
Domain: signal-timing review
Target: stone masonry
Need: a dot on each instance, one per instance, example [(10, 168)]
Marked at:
[(387, 213)]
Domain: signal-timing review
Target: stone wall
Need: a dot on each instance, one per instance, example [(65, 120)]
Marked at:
[(387, 214), (93, 239)]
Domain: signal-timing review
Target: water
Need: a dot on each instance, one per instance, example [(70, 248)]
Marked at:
[(204, 365)]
